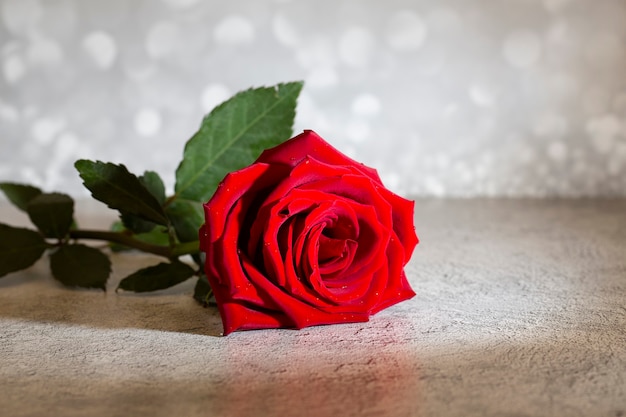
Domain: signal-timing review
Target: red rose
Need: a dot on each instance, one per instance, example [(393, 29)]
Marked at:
[(305, 236)]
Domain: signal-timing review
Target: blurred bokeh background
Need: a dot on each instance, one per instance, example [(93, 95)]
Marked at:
[(445, 98)]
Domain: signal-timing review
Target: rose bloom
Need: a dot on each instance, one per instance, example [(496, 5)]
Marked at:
[(305, 236)]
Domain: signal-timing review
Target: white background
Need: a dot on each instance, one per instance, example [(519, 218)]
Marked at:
[(445, 98)]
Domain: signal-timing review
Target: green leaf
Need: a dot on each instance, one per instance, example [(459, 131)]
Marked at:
[(154, 184), (19, 194), (186, 217), (52, 214), (157, 277), (233, 135), (157, 236), (202, 292), (136, 224), (80, 266), (119, 189), (19, 248)]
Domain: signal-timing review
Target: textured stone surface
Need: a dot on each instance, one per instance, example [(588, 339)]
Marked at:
[(521, 311)]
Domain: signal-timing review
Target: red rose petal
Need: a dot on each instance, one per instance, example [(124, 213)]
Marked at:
[(310, 144), (237, 316), (245, 181), (402, 214), (305, 236), (398, 288), (299, 313)]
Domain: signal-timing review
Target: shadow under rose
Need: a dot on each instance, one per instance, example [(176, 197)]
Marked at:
[(34, 296)]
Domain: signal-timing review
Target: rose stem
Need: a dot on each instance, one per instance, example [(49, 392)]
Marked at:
[(187, 248), (122, 239)]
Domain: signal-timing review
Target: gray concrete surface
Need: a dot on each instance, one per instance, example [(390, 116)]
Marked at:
[(520, 311)]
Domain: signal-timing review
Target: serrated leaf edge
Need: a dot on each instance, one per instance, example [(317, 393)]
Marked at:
[(179, 190), (162, 215)]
